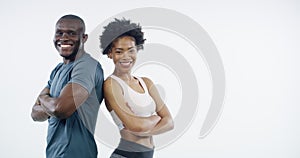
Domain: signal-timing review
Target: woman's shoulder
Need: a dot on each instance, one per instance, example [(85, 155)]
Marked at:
[(147, 81), (110, 83), (108, 79)]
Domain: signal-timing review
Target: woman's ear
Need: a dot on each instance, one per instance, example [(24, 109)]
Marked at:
[(109, 55)]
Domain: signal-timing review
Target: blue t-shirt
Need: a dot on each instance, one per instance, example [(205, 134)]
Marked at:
[(73, 137)]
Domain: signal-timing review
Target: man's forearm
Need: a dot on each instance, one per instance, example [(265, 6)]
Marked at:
[(48, 104), (38, 113)]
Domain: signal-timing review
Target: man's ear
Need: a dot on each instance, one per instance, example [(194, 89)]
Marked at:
[(84, 37)]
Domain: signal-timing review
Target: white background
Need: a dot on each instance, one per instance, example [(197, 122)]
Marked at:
[(257, 40)]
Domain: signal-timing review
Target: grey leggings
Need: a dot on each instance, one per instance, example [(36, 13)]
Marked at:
[(128, 149)]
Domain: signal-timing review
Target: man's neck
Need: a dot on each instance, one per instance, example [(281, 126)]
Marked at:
[(78, 55)]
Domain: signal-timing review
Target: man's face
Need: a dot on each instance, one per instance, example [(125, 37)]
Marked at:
[(68, 37)]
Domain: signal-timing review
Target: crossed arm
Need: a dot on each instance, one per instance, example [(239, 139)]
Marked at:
[(38, 113), (70, 98), (142, 126), (166, 122)]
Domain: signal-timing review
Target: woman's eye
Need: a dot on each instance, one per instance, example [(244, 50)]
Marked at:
[(133, 50)]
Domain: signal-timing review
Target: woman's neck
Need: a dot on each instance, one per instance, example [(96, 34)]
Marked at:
[(125, 76)]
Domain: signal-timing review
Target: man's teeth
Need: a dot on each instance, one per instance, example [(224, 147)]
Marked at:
[(65, 45)]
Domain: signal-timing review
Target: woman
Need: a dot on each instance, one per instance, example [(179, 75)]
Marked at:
[(133, 102)]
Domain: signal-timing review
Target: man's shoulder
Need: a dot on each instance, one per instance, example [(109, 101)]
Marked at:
[(57, 67), (87, 60), (87, 65)]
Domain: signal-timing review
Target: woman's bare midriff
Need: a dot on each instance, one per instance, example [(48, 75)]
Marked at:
[(145, 140)]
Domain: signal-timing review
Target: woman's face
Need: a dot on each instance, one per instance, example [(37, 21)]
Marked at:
[(123, 53)]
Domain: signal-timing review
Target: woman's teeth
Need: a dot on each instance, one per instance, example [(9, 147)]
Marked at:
[(126, 63)]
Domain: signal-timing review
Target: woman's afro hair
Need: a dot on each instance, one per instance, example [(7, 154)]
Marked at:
[(119, 28)]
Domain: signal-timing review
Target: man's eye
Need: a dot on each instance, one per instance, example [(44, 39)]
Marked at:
[(72, 33), (59, 33)]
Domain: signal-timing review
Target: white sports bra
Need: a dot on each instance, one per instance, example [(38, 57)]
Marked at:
[(141, 104)]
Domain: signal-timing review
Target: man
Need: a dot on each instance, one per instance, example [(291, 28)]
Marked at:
[(71, 99)]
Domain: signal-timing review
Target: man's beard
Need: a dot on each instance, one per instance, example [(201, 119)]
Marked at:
[(74, 52), (71, 56)]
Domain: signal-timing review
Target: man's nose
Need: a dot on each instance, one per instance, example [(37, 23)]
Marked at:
[(65, 35)]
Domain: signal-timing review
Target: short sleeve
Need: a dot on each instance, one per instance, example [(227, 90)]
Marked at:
[(83, 73), (49, 83)]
